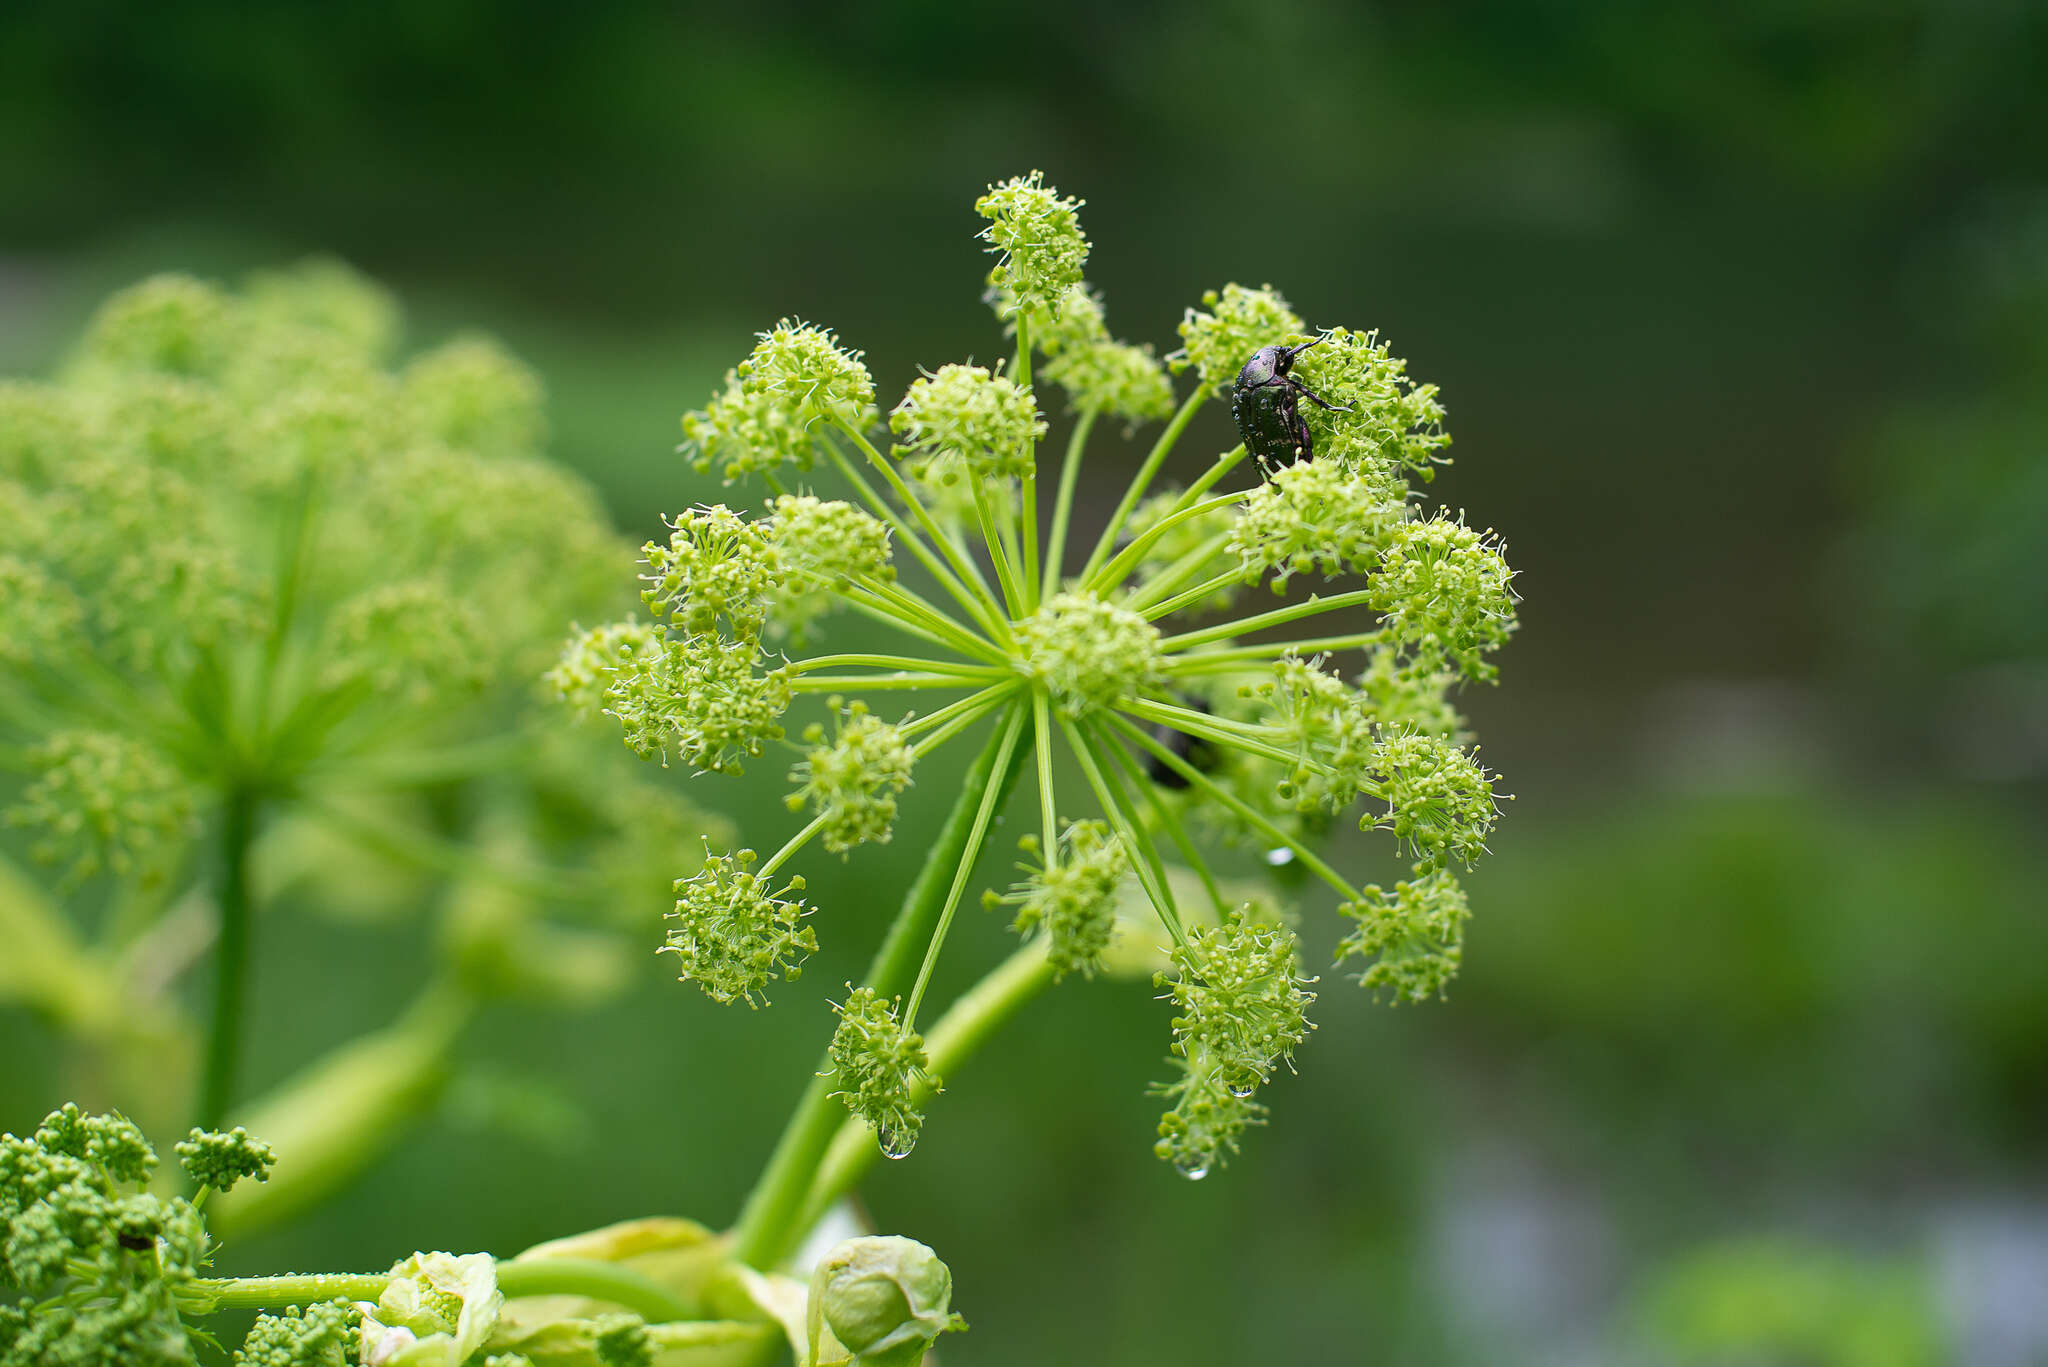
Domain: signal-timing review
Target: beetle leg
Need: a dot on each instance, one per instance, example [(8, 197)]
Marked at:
[(1304, 391)]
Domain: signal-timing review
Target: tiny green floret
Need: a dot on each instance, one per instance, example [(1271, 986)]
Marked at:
[(216, 1161), (987, 420), (734, 934), (1217, 339), (1089, 653), (316, 1336), (853, 782), (880, 1065), (1414, 935), (1071, 895), (1241, 1003), (1037, 233)]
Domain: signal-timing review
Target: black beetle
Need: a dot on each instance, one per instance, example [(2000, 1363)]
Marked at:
[(1266, 405)]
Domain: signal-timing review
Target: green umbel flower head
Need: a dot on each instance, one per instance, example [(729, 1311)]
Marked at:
[(1116, 668)]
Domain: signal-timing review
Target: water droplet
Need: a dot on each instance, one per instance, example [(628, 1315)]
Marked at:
[(896, 1143), (1277, 857), (1241, 1090), (1193, 1166)]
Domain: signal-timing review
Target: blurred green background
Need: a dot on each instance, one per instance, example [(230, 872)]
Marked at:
[(1741, 313)]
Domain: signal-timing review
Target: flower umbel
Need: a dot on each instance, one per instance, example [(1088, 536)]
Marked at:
[(1266, 725)]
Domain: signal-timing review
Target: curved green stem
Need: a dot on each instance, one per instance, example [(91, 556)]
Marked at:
[(1315, 604), (1125, 560), (768, 1226)]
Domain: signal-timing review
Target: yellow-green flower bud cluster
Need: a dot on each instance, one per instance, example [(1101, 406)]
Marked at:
[(734, 934), (1446, 591), (852, 782), (1071, 896), (217, 1161), (1217, 339), (700, 698), (416, 640), (475, 395), (1329, 727), (1316, 516), (717, 573), (103, 1264), (880, 1066), (1089, 653), (1415, 935), (1037, 234), (797, 379), (822, 546), (592, 661), (988, 421), (101, 799), (1440, 799), (1389, 423), (1241, 1001)]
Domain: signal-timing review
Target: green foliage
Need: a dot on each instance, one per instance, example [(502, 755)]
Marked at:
[(317, 1336)]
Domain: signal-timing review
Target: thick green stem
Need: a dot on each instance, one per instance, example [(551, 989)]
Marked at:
[(230, 959), (769, 1227), (589, 1277), (980, 1012)]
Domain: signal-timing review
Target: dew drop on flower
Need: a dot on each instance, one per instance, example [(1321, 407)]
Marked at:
[(1279, 856), (1241, 1090), (895, 1143), (1193, 1166)]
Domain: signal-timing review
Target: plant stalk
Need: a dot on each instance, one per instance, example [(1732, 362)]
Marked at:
[(230, 959), (768, 1226)]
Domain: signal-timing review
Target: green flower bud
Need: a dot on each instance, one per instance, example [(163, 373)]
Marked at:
[(1123, 381), (988, 421), (591, 659), (1383, 421), (733, 934), (822, 546), (1073, 896), (43, 429), (436, 1311), (884, 1298), (1241, 1003), (1037, 234), (1315, 515), (1440, 800), (1239, 321), (854, 781), (1412, 693), (418, 641), (172, 324), (700, 697), (331, 297), (39, 615), (103, 800), (1330, 728), (1415, 935), (218, 1161), (1089, 653), (474, 395), (716, 573), (797, 378), (880, 1065), (1446, 589)]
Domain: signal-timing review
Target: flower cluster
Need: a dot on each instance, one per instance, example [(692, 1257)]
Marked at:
[(1086, 663), (881, 1064), (105, 1264), (733, 933)]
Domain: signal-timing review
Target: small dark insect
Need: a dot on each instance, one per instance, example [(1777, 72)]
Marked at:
[(137, 1243), (1266, 405), (1196, 752)]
